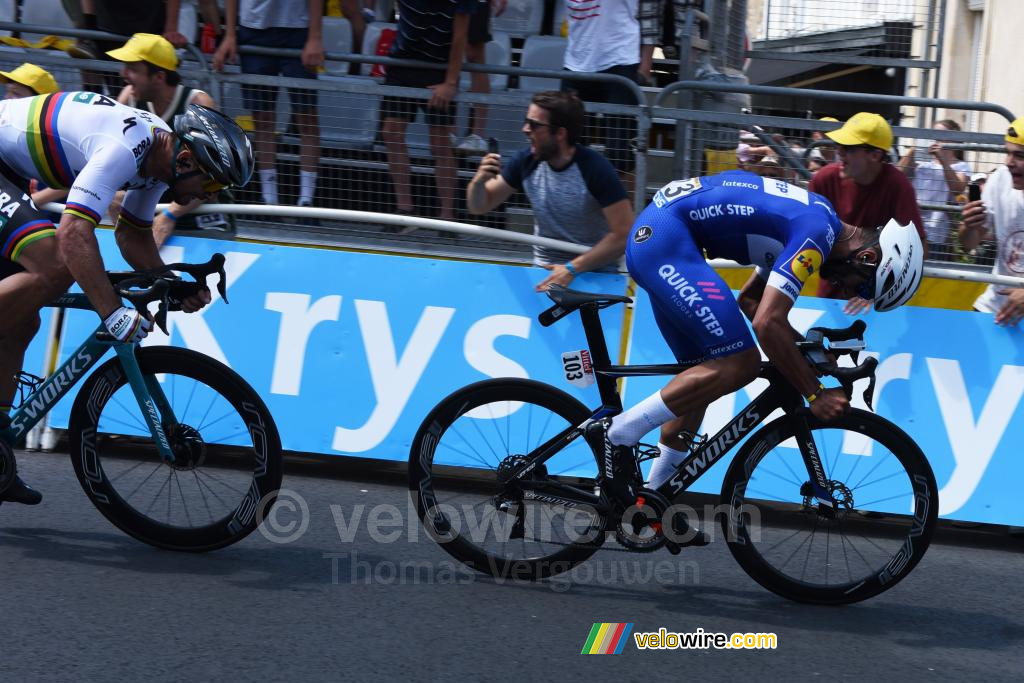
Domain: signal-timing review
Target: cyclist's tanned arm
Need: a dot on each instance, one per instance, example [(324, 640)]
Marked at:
[(80, 251), (776, 336)]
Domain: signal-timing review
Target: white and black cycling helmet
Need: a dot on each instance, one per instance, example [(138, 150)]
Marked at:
[(217, 143), (900, 265)]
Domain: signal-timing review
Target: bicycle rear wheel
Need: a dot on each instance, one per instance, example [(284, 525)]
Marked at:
[(457, 464), (227, 468), (886, 512)]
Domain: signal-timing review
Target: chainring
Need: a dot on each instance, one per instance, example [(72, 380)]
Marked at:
[(639, 529)]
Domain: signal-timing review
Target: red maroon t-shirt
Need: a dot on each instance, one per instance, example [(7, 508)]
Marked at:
[(868, 206)]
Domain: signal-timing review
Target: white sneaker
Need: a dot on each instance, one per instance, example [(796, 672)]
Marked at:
[(472, 144)]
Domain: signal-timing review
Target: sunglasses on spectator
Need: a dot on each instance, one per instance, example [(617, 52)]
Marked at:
[(535, 124)]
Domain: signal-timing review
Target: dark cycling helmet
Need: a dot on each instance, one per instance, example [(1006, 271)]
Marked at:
[(900, 267), (218, 145)]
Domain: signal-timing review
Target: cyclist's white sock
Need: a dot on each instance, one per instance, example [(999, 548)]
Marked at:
[(268, 184), (664, 465), (629, 427), (307, 185)]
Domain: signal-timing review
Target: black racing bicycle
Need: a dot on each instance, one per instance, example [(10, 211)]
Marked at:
[(172, 446), (819, 512)]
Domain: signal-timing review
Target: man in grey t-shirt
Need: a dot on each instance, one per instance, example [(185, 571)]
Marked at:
[(575, 192)]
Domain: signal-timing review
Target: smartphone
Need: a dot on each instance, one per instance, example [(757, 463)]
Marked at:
[(973, 192), (492, 146)]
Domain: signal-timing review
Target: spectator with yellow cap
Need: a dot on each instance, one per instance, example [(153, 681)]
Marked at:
[(1000, 213), (29, 80), (865, 189), (26, 81), (153, 84), (151, 73)]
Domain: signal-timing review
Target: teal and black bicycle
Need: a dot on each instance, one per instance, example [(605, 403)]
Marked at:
[(172, 446)]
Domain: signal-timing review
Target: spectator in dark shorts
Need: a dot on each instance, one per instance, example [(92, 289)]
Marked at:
[(476, 53), (429, 31), (124, 17), (294, 24), (607, 42)]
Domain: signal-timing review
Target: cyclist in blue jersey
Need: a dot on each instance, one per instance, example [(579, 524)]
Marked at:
[(785, 231), (92, 146)]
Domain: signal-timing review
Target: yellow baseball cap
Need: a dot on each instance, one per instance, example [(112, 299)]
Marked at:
[(864, 129), (1015, 133), (148, 47), (32, 76)]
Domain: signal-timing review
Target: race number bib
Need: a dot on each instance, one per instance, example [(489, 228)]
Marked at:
[(578, 369)]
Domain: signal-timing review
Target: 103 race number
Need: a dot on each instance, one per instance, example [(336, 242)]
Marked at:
[(578, 369)]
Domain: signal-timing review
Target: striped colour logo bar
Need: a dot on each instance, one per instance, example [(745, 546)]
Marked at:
[(607, 639)]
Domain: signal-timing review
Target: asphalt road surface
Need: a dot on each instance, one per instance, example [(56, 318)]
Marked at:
[(345, 601)]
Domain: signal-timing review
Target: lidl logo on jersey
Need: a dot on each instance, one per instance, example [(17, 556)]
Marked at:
[(806, 262), (676, 190)]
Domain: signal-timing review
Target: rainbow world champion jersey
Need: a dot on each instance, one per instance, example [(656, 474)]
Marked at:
[(86, 143)]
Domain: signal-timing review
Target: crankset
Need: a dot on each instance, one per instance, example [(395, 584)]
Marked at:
[(640, 527)]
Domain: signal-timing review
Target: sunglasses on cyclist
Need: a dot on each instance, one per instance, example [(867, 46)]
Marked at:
[(210, 185)]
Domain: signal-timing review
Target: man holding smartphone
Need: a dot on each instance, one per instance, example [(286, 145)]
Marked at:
[(575, 193), (1000, 211)]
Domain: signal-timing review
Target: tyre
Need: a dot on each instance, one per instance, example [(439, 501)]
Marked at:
[(227, 468), (887, 506), (458, 458)]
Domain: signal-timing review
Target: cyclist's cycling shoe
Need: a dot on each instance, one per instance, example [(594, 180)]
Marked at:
[(20, 492), (616, 462), (684, 535)]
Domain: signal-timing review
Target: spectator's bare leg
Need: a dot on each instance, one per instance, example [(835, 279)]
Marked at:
[(393, 131), (444, 170), (266, 153), (309, 154), (354, 13), (646, 63), (481, 83)]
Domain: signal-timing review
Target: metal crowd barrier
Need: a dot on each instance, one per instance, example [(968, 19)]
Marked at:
[(664, 141)]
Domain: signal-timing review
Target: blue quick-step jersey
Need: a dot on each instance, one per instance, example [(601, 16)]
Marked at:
[(784, 230)]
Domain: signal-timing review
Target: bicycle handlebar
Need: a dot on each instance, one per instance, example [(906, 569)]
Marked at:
[(142, 287), (822, 345)]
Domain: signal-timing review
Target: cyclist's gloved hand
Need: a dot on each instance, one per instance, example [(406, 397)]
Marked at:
[(128, 325)]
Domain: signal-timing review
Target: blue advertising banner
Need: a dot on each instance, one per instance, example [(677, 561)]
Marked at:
[(351, 350), (953, 380)]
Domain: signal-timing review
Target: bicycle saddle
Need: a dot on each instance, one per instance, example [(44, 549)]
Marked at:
[(568, 300)]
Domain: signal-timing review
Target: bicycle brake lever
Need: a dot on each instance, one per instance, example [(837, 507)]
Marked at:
[(161, 316), (869, 393)]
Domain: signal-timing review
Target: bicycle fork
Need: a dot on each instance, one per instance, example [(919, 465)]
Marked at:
[(156, 410), (817, 485)]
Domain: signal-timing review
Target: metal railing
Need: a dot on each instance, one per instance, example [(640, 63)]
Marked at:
[(353, 165)]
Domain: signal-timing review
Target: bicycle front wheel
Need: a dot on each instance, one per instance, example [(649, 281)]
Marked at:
[(227, 467), (458, 468), (886, 509)]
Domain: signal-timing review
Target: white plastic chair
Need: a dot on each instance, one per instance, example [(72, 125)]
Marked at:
[(337, 35), (542, 52), (521, 18), (46, 13)]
